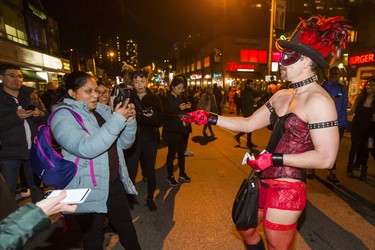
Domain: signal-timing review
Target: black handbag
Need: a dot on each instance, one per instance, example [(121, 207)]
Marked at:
[(245, 205)]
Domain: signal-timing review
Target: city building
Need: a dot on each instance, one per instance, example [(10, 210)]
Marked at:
[(237, 45), (30, 39)]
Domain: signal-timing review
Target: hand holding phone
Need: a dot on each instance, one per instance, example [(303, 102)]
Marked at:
[(31, 107), (73, 196)]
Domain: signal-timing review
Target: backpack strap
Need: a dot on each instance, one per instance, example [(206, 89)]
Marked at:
[(80, 121)]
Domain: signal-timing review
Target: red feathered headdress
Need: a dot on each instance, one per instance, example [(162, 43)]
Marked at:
[(319, 37)]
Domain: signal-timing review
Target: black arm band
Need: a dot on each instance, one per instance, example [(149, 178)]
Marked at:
[(277, 159), (212, 118)]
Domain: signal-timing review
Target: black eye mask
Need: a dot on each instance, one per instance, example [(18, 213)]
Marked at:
[(289, 57)]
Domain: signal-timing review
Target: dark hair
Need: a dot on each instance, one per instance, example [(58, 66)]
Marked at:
[(363, 95), (139, 73), (4, 67), (178, 79), (76, 80)]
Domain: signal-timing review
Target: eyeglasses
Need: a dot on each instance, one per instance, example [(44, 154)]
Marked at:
[(14, 76), (102, 92)]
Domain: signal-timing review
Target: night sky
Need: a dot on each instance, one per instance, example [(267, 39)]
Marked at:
[(156, 24)]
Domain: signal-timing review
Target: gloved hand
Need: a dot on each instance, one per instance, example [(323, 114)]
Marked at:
[(266, 160), (200, 117)]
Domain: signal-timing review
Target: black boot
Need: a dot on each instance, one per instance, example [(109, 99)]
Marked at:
[(363, 176), (258, 246), (151, 204)]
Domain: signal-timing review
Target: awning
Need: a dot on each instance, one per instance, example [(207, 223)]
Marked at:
[(31, 76)]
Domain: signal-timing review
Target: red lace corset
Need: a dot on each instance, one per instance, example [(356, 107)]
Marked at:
[(296, 139)]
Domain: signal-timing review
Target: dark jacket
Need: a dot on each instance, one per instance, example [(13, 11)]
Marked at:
[(172, 123), (148, 127), (21, 225), (247, 101), (12, 130)]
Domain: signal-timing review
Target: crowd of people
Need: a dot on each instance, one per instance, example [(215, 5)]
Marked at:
[(123, 136)]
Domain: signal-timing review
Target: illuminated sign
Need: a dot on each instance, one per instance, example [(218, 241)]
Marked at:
[(253, 56), (233, 66), (362, 59), (52, 62), (37, 12)]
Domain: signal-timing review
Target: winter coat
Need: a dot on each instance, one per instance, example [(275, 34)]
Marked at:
[(208, 103), (173, 127), (75, 142), (21, 225), (148, 127), (12, 130)]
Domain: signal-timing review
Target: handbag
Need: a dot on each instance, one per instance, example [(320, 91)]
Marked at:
[(245, 205)]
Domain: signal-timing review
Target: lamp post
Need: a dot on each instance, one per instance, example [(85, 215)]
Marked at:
[(272, 19)]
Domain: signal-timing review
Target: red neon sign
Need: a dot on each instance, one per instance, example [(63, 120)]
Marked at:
[(362, 59), (233, 66)]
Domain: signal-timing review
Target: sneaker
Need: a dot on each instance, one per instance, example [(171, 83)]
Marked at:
[(188, 153), (251, 145), (237, 139), (172, 181), (184, 178), (350, 174), (333, 178)]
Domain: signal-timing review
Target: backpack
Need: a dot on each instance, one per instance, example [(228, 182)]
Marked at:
[(48, 163)]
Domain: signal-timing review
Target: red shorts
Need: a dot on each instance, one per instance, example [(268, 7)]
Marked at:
[(281, 195)]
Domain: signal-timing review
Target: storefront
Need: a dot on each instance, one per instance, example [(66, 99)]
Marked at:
[(364, 64), (38, 68)]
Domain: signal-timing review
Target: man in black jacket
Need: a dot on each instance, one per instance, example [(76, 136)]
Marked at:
[(248, 106), (144, 150), (18, 125)]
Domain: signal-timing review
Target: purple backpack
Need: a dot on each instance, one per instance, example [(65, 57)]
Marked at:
[(49, 164)]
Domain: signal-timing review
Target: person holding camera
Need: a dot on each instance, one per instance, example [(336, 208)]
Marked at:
[(18, 125), (108, 134), (149, 120)]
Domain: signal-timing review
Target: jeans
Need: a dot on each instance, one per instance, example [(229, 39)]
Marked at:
[(11, 170)]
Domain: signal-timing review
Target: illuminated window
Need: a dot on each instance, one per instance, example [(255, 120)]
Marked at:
[(199, 64), (206, 62)]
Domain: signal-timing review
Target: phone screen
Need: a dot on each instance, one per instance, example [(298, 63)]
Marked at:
[(73, 196)]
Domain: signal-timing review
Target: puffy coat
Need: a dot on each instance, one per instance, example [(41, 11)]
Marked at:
[(75, 142), (21, 225)]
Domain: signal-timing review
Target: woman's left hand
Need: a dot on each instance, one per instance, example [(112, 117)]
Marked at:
[(127, 110)]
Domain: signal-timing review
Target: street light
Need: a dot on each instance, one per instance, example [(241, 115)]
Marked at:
[(272, 18)]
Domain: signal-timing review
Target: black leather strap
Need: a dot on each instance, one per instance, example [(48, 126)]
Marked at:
[(323, 125), (278, 159)]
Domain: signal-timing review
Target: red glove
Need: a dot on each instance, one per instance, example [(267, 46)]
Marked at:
[(200, 117), (266, 160)]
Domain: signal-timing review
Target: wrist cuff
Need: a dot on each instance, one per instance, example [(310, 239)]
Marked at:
[(212, 118), (277, 159)]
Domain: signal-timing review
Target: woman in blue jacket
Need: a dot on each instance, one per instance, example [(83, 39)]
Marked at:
[(108, 134)]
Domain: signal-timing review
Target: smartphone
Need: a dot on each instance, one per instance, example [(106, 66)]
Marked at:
[(73, 196), (31, 107)]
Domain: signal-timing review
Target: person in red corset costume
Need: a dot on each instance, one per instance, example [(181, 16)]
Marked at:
[(305, 130)]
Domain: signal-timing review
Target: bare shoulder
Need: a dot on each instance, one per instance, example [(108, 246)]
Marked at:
[(320, 106)]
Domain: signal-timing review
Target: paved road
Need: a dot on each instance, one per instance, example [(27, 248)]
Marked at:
[(196, 215)]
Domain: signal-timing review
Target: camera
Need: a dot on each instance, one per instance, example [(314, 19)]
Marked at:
[(121, 95)]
